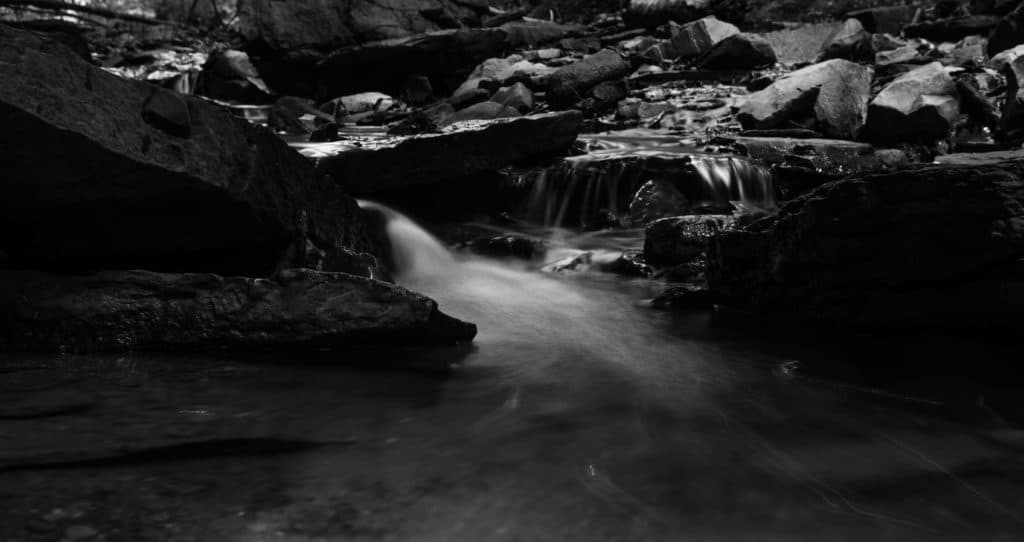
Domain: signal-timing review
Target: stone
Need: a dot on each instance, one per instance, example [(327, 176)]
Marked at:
[(323, 24), (1011, 123), (896, 56), (954, 29), (484, 111), (851, 42), (231, 76), (446, 57), (629, 264), (102, 172), (933, 247), (509, 246), (1008, 33), (698, 37), (418, 90), (142, 310), (67, 33), (567, 85), (359, 107), (920, 105), (680, 239), (653, 13), (835, 93), (656, 199), (459, 150), (739, 52), (1000, 60), (802, 44), (495, 71), (517, 96), (883, 20)]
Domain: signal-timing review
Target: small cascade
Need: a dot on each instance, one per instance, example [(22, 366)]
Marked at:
[(413, 250), (583, 191)]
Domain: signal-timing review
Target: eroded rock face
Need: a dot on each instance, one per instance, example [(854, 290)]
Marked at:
[(920, 105), (931, 246), (101, 172), (834, 94), (120, 310)]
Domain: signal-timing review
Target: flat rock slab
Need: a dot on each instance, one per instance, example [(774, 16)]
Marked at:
[(829, 157), (121, 310), (101, 172), (463, 149)]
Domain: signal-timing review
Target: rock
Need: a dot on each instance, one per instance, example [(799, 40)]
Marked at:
[(1011, 124), (652, 13), (484, 111), (698, 37), (509, 246), (954, 29), (457, 151), (680, 239), (654, 200), (929, 248), (418, 90), (630, 264), (801, 44), (883, 20), (141, 310), (102, 172), (851, 42), (1000, 61), (517, 96), (920, 105), (446, 57), (65, 32), (316, 24), (324, 133), (739, 52), (968, 53), (285, 115), (567, 85), (604, 97), (359, 107), (1008, 33), (835, 93), (686, 297), (230, 76), (495, 71), (896, 56)]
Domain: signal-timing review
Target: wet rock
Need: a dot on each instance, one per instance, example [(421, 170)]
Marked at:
[(696, 38), (931, 247), (686, 297), (920, 105), (954, 29), (509, 246), (484, 111), (834, 94), (680, 239), (324, 133), (830, 157), (654, 200), (446, 57), (604, 97), (315, 24), (1008, 33), (739, 52), (629, 264), (495, 71), (517, 96), (286, 115), (120, 310), (886, 20), (230, 76), (99, 171), (567, 85), (851, 42), (360, 107), (456, 151)]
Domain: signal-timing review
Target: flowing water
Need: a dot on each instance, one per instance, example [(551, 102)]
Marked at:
[(578, 414)]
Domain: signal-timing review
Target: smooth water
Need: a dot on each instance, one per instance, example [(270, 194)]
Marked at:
[(578, 414)]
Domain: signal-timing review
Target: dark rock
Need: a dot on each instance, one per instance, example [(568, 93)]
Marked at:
[(802, 44), (629, 264), (484, 111), (687, 297), (605, 97), (653, 13), (834, 93), (357, 108), (285, 114), (231, 76), (446, 57), (91, 181), (586, 45), (1011, 124), (680, 239), (850, 42), (654, 200), (67, 33), (509, 246), (428, 120), (886, 20), (465, 99), (954, 29), (457, 151), (418, 90), (920, 105), (791, 133), (693, 39), (567, 85), (517, 96), (968, 53), (1008, 33), (299, 24), (896, 56), (324, 133), (931, 247), (739, 52), (974, 103), (494, 72), (123, 310)]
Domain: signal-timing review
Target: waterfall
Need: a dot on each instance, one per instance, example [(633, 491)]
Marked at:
[(414, 251)]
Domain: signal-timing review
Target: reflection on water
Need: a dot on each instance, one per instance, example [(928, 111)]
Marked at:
[(580, 414)]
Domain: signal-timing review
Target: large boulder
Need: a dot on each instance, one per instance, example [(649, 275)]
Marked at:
[(101, 172), (931, 247), (122, 310), (834, 94), (1008, 33), (460, 150), (231, 76), (567, 85), (739, 52), (920, 105), (324, 24), (696, 38)]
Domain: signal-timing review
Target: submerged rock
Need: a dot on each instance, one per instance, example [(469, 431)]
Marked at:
[(681, 239), (121, 310), (102, 172), (459, 150), (932, 247), (920, 105), (834, 94), (567, 85)]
